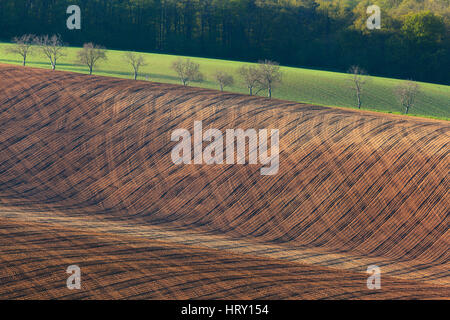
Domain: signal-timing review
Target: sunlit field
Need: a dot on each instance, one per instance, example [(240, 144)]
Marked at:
[(300, 85)]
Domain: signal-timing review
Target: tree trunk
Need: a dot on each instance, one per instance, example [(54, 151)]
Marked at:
[(270, 92), (251, 91), (24, 60), (135, 75), (359, 100)]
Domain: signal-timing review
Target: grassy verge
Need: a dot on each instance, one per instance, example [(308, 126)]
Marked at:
[(301, 85)]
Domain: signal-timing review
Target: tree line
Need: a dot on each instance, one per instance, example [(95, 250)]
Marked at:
[(266, 75), (413, 41)]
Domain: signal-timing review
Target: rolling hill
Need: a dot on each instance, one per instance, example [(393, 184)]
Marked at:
[(86, 178)]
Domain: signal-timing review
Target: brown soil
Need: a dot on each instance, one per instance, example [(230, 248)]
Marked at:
[(86, 178)]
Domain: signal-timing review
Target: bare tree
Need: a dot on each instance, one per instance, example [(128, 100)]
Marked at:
[(223, 79), (269, 76), (250, 76), (91, 54), (406, 93), (187, 71), (51, 47), (358, 80), (22, 46), (136, 61)]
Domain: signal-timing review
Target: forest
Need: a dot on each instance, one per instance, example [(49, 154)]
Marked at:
[(413, 42)]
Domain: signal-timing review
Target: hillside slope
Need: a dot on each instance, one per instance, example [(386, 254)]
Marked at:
[(86, 177)]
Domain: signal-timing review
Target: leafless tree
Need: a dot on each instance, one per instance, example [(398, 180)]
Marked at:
[(250, 76), (187, 71), (22, 45), (269, 76), (91, 54), (136, 61), (358, 79), (223, 79), (406, 93), (52, 47)]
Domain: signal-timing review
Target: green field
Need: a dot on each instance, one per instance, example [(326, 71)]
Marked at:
[(301, 85)]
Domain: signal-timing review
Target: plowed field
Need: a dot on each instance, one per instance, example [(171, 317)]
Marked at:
[(86, 178)]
